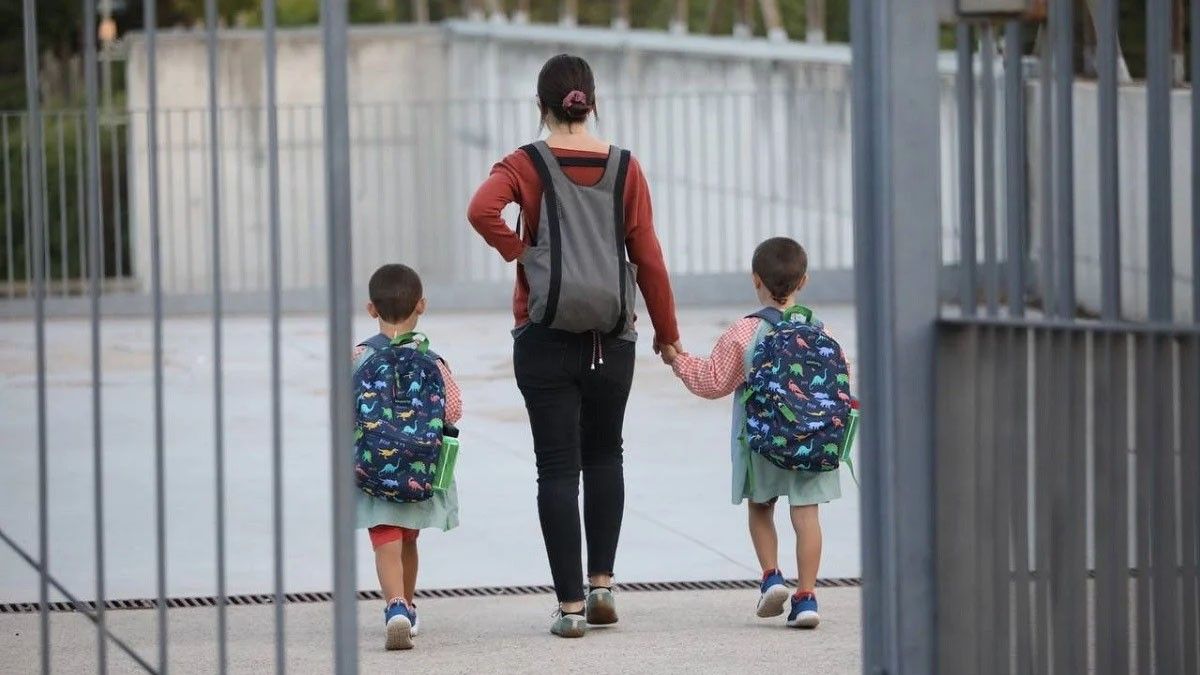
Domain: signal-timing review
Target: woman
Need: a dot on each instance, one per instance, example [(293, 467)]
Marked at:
[(573, 350)]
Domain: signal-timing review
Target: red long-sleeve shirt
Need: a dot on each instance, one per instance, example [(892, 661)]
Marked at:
[(515, 179)]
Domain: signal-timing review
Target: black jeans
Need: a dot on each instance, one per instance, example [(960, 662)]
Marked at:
[(576, 412)]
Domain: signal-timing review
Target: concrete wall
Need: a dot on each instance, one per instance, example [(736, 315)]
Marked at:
[(740, 139)]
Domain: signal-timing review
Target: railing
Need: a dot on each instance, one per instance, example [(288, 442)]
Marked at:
[(1066, 475)]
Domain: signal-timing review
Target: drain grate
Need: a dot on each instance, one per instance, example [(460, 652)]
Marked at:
[(423, 594)]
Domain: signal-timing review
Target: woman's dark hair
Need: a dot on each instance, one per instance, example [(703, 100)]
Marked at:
[(566, 89), (781, 263)]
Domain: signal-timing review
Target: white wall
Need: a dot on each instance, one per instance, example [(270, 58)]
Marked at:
[(740, 139)]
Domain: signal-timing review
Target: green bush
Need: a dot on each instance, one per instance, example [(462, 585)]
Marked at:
[(64, 191)]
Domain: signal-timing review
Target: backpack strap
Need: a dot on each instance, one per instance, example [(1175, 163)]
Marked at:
[(377, 342), (771, 315), (535, 152), (621, 231)]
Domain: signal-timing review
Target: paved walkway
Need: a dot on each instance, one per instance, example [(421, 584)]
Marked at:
[(679, 524), (660, 632)]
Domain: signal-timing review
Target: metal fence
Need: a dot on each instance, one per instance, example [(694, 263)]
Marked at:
[(1067, 467), (1002, 449)]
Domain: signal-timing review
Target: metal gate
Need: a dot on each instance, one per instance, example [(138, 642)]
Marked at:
[(1045, 518)]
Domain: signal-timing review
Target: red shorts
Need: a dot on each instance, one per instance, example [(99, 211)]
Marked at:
[(386, 534)]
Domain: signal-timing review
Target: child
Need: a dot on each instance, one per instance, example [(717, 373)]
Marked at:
[(397, 301), (780, 269)]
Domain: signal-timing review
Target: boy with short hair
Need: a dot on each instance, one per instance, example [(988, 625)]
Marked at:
[(397, 301), (780, 272)]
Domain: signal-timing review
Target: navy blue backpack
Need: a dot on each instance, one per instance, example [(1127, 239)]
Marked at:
[(797, 395), (400, 406)]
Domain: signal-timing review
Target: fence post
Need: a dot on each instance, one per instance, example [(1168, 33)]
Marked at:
[(37, 222), (897, 222), (334, 29)]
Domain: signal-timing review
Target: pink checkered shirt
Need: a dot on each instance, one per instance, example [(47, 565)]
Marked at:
[(725, 369)]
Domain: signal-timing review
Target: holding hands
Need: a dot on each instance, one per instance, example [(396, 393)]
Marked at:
[(668, 353)]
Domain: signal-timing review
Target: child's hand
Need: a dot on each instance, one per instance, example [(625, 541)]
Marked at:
[(669, 353)]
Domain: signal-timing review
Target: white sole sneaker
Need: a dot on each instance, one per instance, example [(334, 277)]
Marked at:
[(399, 634), (805, 620), (569, 626), (416, 627), (772, 601)]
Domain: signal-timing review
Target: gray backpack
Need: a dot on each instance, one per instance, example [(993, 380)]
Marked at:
[(578, 275)]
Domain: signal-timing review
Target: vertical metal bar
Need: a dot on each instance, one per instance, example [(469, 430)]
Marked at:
[(1144, 500), (988, 132), (965, 88), (239, 199), (1110, 524), (187, 247), (1167, 616), (1107, 16), (37, 226), (1069, 585), (1016, 211), (1195, 24), (63, 254), (1158, 157), (334, 19), (118, 221), (958, 532), (118, 217), (1003, 448), (275, 253), (8, 200), (91, 212), (214, 136), (895, 119), (1064, 150), (80, 193), (44, 181), (25, 204), (1046, 73), (1189, 417), (1045, 402), (1019, 442), (985, 497), (160, 505)]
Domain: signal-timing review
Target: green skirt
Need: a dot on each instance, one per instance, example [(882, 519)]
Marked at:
[(757, 479), (440, 511)]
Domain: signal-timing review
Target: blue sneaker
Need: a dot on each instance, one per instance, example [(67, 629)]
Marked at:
[(804, 612), (416, 621), (772, 595), (398, 623)]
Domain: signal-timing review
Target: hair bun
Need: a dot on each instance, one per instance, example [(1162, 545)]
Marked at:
[(576, 103)]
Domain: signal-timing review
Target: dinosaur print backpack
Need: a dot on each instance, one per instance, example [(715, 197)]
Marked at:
[(797, 393), (400, 411)]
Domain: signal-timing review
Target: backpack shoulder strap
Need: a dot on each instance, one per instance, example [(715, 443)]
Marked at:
[(378, 342), (769, 314)]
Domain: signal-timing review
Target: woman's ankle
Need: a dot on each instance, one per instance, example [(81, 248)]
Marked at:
[(571, 607), (600, 581)]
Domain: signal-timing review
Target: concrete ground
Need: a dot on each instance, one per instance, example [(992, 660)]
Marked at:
[(679, 523), (659, 632)]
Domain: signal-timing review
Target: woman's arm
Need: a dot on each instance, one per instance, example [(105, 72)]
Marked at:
[(720, 374), (646, 252), (501, 188)]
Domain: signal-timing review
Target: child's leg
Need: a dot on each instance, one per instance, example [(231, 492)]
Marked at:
[(807, 525), (762, 534), (389, 560), (411, 560)]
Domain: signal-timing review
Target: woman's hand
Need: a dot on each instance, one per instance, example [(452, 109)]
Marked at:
[(668, 353)]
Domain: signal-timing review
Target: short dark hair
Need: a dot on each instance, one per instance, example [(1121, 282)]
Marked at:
[(781, 263), (395, 291), (560, 76)]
